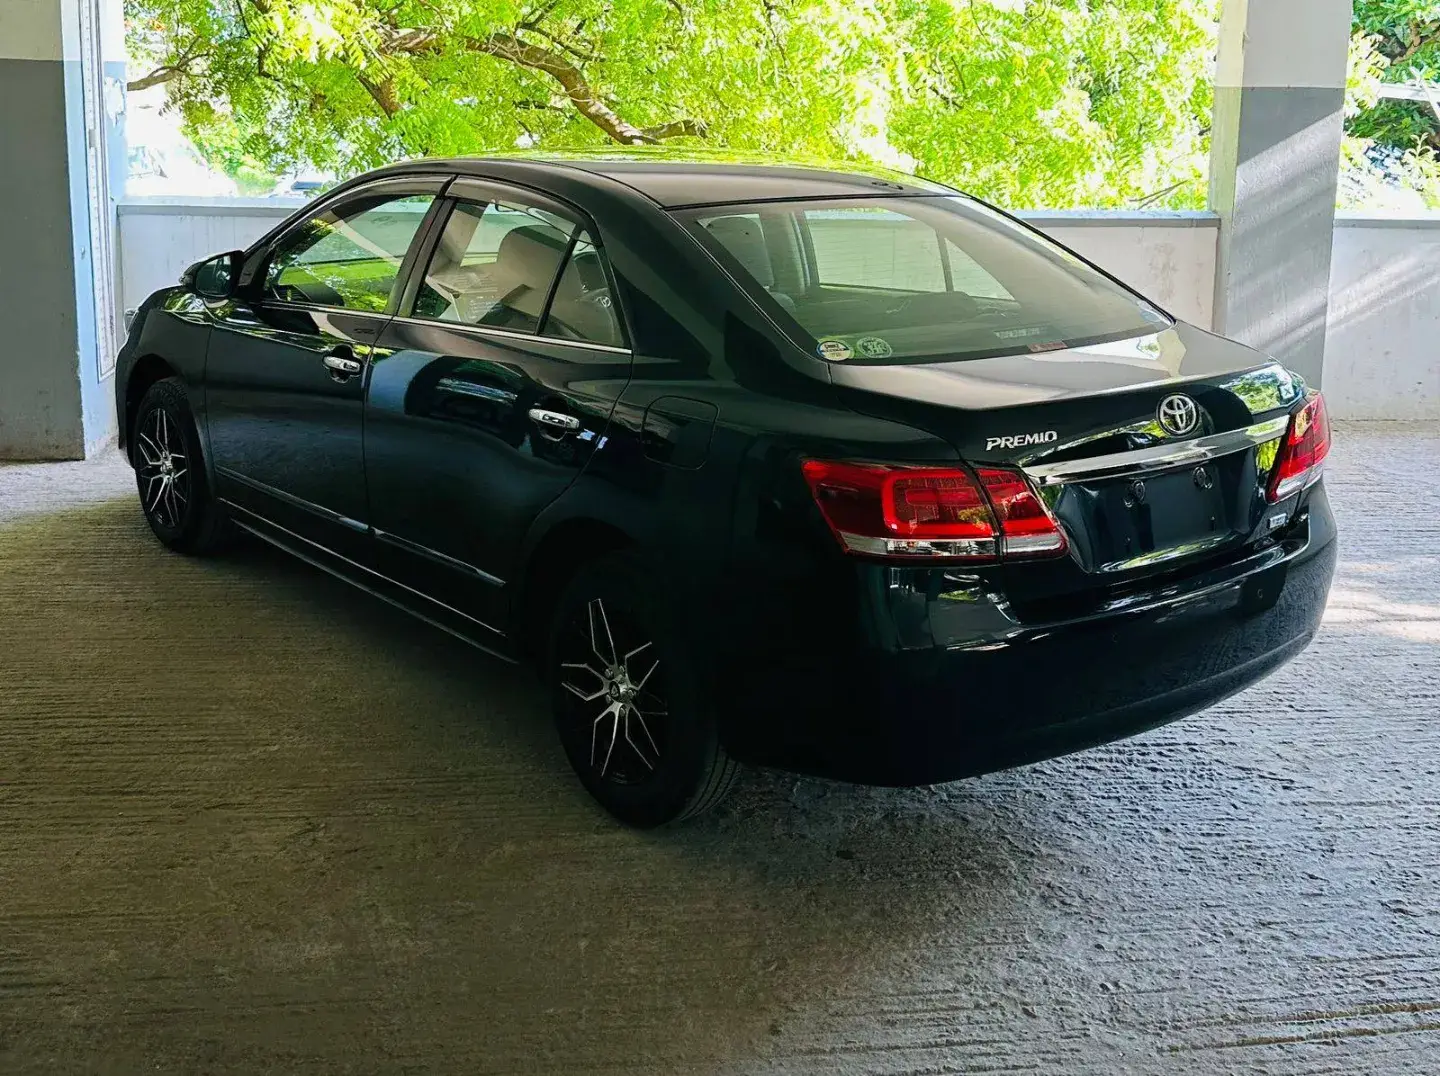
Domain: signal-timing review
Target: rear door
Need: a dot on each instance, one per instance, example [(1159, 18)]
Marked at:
[(289, 359), (489, 393)]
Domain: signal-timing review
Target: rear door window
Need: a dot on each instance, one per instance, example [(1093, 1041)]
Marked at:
[(583, 308), (495, 265)]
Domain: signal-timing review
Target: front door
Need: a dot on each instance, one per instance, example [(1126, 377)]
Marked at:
[(288, 363), (494, 389)]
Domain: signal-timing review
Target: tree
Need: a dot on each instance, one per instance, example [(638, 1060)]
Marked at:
[(1390, 150), (1030, 102)]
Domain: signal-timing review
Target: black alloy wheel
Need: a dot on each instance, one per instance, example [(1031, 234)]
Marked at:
[(621, 684), (170, 475), (163, 470), (628, 702)]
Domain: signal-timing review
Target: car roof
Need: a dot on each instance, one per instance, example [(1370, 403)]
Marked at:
[(680, 179)]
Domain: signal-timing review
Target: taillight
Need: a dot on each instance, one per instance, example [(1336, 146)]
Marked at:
[(1301, 458), (932, 512), (1026, 525)]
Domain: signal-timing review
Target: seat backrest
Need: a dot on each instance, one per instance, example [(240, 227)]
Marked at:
[(525, 267), (742, 237)]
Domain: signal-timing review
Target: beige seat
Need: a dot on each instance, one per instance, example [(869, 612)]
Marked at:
[(745, 241), (524, 269)]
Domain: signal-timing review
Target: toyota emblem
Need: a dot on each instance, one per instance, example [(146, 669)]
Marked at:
[(1179, 415)]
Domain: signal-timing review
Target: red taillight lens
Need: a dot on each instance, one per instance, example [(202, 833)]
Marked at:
[(1025, 523), (935, 504), (1301, 458), (931, 512)]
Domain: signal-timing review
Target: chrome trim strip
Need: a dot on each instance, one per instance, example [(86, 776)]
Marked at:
[(1159, 457), (269, 301), (294, 501), (510, 334), (969, 548), (369, 571), (1163, 556), (315, 562), (440, 558)]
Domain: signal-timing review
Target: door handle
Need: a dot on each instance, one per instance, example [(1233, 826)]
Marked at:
[(554, 420), (341, 365)]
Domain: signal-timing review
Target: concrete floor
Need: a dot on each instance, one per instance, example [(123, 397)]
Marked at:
[(251, 820)]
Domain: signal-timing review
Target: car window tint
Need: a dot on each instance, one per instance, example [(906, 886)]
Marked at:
[(753, 245), (583, 308), (890, 279), (348, 256), (494, 265), (875, 248)]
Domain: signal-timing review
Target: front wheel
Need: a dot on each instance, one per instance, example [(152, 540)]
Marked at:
[(629, 701), (175, 494)]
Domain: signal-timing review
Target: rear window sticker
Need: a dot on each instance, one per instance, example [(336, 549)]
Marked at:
[(834, 350), (873, 347)]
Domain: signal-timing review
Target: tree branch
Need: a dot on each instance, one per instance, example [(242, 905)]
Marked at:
[(555, 39), (177, 68), (383, 92), (570, 77), (675, 129), (164, 73)]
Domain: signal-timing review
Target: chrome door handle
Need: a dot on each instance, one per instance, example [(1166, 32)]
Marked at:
[(554, 420), (342, 364)]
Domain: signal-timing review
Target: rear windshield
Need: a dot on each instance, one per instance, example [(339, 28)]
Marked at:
[(884, 279)]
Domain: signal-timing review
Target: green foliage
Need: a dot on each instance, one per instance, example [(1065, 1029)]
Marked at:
[(1389, 157), (1029, 102)]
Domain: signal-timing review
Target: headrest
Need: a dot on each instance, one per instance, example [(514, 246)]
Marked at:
[(742, 237), (528, 257)]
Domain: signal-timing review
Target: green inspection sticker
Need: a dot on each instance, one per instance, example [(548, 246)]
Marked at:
[(834, 350), (873, 347)]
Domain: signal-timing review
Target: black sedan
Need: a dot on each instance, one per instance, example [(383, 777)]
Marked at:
[(837, 471)]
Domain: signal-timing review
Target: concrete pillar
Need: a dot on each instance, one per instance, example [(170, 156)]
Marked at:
[(1279, 106), (59, 108)]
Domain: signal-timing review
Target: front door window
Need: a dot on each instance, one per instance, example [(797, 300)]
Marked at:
[(348, 256)]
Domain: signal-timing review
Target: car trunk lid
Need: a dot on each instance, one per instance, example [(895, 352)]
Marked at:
[(1149, 451)]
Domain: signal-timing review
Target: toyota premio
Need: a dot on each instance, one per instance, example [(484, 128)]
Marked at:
[(836, 471)]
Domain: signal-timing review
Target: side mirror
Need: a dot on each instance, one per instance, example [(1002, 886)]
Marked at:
[(215, 278)]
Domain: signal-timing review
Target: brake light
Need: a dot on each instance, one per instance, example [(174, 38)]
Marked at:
[(1026, 525), (1301, 458), (932, 512)]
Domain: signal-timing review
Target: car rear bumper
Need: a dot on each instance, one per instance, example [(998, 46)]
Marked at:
[(898, 716)]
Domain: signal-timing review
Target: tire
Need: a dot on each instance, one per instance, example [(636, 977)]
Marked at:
[(169, 463), (630, 699)]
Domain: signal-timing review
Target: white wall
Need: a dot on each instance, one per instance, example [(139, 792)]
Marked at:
[(161, 237), (1382, 347), (1167, 257), (1382, 355)]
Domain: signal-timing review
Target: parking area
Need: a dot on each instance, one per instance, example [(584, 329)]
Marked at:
[(252, 820)]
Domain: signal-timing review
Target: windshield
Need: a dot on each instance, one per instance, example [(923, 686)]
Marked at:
[(886, 279)]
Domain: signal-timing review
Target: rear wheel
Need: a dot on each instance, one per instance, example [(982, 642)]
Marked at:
[(629, 703), (175, 494)]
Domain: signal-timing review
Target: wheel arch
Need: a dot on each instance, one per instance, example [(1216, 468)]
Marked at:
[(147, 370), (555, 554)]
